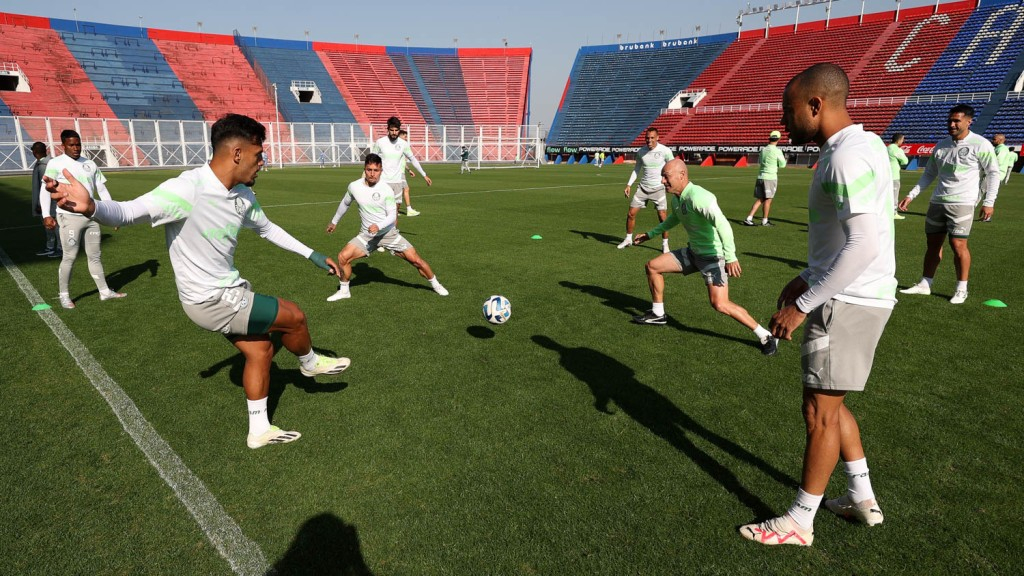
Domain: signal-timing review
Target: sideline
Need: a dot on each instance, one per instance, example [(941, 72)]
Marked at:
[(244, 556)]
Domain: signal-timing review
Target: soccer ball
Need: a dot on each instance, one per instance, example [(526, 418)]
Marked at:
[(497, 309)]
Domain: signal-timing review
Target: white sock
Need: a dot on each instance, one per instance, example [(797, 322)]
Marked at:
[(961, 285), (308, 361), (804, 508), (749, 219), (927, 281), (664, 242), (858, 483), (761, 333), (258, 420), (342, 285), (764, 220), (658, 308), (433, 281), (629, 237)]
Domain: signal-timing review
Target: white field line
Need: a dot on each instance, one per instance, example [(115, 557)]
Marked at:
[(244, 556)]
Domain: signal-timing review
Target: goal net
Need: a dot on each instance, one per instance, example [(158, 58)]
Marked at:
[(502, 152)]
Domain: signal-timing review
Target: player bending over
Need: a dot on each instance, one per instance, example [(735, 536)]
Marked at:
[(711, 251)]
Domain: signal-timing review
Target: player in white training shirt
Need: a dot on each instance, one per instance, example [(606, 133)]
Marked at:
[(650, 159), (846, 295), (409, 210), (958, 163), (202, 211), (377, 209), (76, 229), (394, 152)]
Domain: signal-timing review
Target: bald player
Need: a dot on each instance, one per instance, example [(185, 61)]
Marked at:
[(846, 295), (711, 252)]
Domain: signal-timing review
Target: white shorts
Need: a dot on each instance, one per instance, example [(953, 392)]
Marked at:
[(398, 188), (391, 241), (643, 196)]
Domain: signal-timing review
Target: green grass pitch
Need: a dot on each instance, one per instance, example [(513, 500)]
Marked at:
[(567, 441)]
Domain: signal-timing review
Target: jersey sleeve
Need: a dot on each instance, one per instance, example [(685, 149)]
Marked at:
[(710, 209), (171, 201)]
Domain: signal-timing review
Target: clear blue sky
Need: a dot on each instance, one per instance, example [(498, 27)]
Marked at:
[(554, 29)]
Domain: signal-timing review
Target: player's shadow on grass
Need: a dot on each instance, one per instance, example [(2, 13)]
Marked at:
[(120, 278), (633, 306), (795, 264), (279, 377), (363, 273), (612, 381), (774, 220), (324, 544), (608, 239)]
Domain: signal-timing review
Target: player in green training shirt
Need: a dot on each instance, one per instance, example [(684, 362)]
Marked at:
[(897, 160), (711, 252), (769, 162)]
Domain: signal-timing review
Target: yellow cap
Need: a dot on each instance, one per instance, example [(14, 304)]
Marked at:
[(775, 135)]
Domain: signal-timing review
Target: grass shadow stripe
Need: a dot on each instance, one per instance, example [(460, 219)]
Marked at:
[(244, 555)]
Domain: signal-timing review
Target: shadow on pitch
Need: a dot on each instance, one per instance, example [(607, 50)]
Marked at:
[(324, 544), (279, 377), (633, 306), (776, 221), (125, 276), (795, 264), (481, 332), (611, 381), (363, 273), (613, 240)]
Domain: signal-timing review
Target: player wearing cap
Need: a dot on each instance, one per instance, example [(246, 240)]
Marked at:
[(650, 159), (770, 161)]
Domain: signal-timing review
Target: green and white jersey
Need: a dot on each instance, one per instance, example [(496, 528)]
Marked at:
[(376, 205), (84, 170), (897, 159), (769, 162), (649, 163), (1005, 156), (853, 177), (393, 156), (697, 210), (201, 220), (958, 166)]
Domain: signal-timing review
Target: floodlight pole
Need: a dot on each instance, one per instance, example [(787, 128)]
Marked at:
[(277, 125)]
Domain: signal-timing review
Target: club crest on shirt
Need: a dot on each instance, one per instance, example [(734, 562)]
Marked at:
[(89, 167), (239, 207), (376, 196), (963, 152)]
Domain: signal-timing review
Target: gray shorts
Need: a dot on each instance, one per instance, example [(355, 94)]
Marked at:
[(236, 311), (839, 345), (391, 241), (643, 196), (712, 269), (398, 188), (953, 219), (765, 189)]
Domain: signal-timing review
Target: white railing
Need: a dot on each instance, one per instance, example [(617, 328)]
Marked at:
[(854, 103), (129, 144), (1015, 95), (10, 67)]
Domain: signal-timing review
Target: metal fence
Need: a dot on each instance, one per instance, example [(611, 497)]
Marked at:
[(138, 143)]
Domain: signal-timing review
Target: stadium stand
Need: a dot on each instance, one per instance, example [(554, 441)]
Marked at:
[(215, 74), (442, 76), (59, 86), (1010, 119), (128, 69), (497, 84), (615, 91), (296, 70), (977, 64), (367, 73)]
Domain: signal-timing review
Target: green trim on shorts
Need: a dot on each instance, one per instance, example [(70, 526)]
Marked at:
[(263, 314)]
